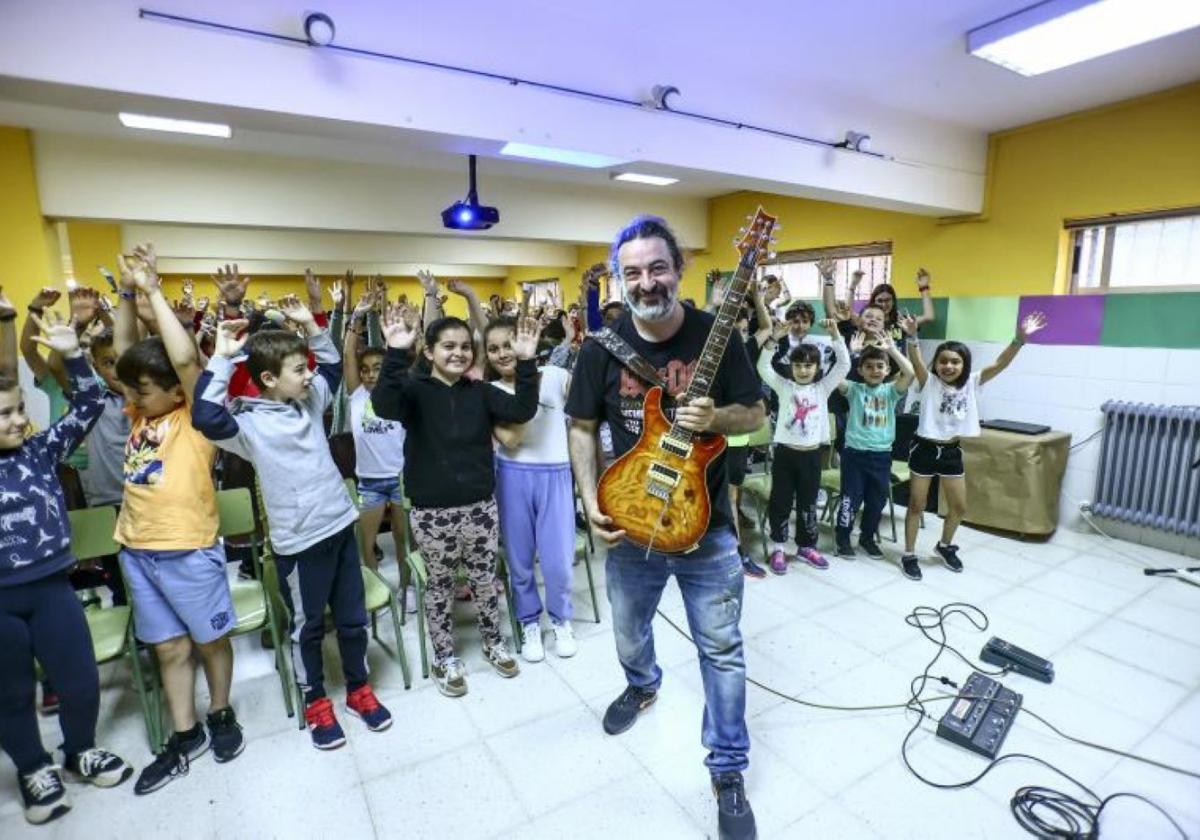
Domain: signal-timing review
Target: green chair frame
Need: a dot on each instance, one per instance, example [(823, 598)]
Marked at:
[(111, 628), (257, 603), (757, 484)]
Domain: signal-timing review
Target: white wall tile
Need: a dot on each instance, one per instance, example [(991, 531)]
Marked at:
[(1105, 362), (1183, 367), (1177, 394), (1145, 364)]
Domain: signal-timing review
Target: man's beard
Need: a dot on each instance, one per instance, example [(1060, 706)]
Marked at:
[(655, 311)]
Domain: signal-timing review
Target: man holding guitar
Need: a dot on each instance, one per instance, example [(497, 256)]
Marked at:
[(647, 262)]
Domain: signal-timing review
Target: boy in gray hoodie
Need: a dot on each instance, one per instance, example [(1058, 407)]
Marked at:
[(310, 514)]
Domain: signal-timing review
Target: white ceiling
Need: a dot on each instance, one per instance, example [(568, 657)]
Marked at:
[(896, 69)]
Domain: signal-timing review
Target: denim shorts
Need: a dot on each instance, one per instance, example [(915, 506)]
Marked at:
[(179, 593), (375, 492)]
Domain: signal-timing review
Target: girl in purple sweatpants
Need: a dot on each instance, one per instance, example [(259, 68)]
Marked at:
[(535, 498)]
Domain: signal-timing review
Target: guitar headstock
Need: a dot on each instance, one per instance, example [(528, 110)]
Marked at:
[(755, 241)]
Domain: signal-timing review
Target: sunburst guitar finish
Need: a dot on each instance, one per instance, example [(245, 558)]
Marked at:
[(657, 491)]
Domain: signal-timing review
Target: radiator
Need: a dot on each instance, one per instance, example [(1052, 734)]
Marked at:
[(1149, 472)]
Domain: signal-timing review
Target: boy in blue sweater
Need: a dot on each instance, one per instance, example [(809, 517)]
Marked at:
[(38, 608)]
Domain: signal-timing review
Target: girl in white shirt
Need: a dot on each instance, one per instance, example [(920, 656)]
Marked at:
[(535, 497), (949, 412), (801, 428)]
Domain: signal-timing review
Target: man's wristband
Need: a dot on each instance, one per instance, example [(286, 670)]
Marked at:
[(125, 294), (1017, 340), (36, 310), (922, 289), (8, 316)]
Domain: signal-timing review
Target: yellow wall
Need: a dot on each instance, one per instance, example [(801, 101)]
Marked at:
[(1143, 154), (26, 240), (94, 244)]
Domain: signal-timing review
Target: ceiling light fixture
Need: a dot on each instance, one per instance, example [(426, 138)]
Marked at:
[(149, 123), (1059, 33), (638, 178), (469, 214), (553, 155), (319, 29)]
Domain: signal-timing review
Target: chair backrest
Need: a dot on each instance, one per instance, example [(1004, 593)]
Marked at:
[(92, 532), (235, 512)]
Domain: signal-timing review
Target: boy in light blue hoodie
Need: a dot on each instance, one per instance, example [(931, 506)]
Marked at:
[(309, 511)]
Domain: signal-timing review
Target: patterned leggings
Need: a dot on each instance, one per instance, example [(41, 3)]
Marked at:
[(468, 534)]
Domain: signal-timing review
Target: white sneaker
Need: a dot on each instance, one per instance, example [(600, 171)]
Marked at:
[(532, 649), (564, 639)]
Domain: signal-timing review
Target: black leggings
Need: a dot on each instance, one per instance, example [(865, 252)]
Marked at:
[(43, 618), (795, 480)]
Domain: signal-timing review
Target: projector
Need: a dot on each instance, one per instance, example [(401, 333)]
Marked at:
[(469, 215)]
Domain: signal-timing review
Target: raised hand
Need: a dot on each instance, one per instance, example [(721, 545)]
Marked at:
[(312, 285), (826, 267), (841, 311), (185, 312), (295, 311), (45, 298), (830, 326), (428, 282), (189, 289), (227, 343), (230, 284), (1033, 322), (399, 329), (202, 304), (140, 270), (858, 341), (591, 277), (85, 304), (524, 343), (908, 323), (337, 293), (922, 280), (57, 334), (882, 340), (460, 287), (365, 304), (855, 279)]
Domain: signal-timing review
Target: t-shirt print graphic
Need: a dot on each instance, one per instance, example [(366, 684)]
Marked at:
[(677, 375), (801, 408), (954, 403), (142, 462), (875, 411), (372, 424)]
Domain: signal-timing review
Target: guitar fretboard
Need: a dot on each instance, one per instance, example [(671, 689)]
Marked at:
[(718, 339)]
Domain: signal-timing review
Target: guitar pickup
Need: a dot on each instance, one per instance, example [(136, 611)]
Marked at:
[(675, 447), (663, 476)]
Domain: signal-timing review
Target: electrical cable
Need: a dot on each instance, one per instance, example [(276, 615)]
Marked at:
[(1041, 811)]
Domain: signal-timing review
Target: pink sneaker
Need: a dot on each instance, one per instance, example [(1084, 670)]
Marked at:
[(778, 562), (813, 558)]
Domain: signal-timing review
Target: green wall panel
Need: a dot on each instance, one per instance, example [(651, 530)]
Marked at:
[(941, 307), (985, 318), (1151, 320)]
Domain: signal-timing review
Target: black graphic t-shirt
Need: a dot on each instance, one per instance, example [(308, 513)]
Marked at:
[(602, 389)]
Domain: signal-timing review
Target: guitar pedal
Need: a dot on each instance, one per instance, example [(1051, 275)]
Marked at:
[(1007, 655), (981, 715)]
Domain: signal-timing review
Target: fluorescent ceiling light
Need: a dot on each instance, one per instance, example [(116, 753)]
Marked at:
[(587, 159), (1059, 33), (638, 178), (178, 126)]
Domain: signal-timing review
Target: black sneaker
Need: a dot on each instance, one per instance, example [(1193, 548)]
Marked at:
[(175, 759), (226, 734), (949, 556), (844, 549), (752, 569), (43, 795), (622, 713), (910, 566), (735, 820), (97, 767), (869, 545)]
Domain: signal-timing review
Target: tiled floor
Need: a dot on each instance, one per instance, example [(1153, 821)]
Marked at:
[(526, 758)]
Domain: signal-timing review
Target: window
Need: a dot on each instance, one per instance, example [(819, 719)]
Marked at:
[(542, 293), (1148, 251), (798, 269)]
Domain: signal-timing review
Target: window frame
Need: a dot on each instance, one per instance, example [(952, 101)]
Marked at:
[(1076, 228)]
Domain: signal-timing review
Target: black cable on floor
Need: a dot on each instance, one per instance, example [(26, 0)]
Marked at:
[(1041, 811)]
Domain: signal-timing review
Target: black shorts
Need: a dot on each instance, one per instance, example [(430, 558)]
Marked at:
[(927, 458), (736, 460)]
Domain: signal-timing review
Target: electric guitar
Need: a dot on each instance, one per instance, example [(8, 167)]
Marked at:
[(657, 491)]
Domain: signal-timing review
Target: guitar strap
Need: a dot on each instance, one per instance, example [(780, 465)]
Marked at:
[(629, 357)]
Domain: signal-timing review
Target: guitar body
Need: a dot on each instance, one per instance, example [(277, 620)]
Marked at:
[(656, 494)]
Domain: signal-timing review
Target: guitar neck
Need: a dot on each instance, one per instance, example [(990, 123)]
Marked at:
[(718, 340)]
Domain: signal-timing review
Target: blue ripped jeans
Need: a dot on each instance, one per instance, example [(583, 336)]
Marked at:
[(710, 579)]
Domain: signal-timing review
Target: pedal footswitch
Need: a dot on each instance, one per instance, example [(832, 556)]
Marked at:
[(980, 717)]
